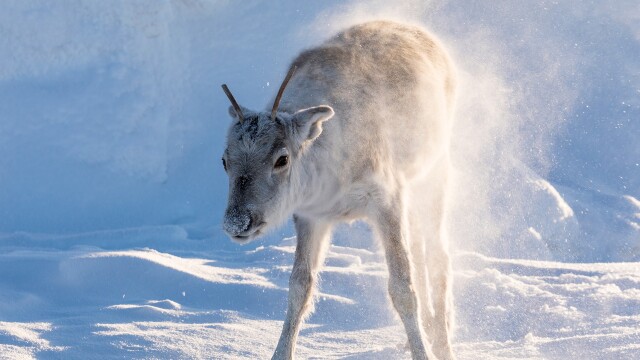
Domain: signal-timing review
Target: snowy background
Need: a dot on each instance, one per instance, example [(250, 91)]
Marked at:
[(112, 125)]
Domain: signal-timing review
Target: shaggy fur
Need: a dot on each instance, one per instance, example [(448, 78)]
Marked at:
[(363, 132)]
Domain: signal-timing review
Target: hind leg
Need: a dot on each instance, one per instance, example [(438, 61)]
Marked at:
[(422, 282), (438, 324)]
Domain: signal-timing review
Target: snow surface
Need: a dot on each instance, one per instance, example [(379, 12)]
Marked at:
[(112, 125)]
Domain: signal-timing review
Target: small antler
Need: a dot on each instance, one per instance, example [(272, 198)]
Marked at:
[(276, 103), (233, 102)]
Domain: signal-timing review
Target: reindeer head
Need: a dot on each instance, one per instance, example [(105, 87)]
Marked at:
[(262, 155)]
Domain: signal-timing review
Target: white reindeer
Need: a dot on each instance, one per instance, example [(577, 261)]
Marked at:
[(361, 133)]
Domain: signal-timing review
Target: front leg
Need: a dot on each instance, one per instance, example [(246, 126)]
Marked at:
[(311, 247), (391, 224)]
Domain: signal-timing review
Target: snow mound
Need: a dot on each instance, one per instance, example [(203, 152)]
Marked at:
[(112, 192), (146, 303)]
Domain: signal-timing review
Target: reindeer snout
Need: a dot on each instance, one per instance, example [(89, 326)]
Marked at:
[(242, 225), (237, 222)]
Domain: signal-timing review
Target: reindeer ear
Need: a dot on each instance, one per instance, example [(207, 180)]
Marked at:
[(234, 114), (307, 123)]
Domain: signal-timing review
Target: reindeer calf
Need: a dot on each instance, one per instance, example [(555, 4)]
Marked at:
[(361, 133)]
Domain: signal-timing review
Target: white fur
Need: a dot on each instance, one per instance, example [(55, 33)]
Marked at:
[(383, 157)]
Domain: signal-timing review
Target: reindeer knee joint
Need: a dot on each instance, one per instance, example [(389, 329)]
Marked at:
[(300, 283), (403, 296)]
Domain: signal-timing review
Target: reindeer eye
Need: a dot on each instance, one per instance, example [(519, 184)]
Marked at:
[(224, 164), (282, 161)]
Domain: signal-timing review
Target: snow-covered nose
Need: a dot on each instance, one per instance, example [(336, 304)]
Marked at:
[(236, 221)]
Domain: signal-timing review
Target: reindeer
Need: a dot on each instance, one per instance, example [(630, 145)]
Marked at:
[(361, 133)]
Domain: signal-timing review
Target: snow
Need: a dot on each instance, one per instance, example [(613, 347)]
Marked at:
[(112, 126), (144, 303)]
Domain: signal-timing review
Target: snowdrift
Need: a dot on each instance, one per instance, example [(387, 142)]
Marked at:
[(111, 189)]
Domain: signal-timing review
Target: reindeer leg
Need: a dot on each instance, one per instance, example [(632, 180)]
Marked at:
[(392, 226), (310, 251), (439, 324), (439, 269), (421, 278)]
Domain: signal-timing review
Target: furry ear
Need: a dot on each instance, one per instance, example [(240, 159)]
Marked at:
[(234, 115), (307, 123)]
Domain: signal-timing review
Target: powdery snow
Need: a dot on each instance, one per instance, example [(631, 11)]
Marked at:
[(111, 189), (151, 304)]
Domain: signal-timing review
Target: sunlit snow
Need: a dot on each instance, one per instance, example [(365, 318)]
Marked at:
[(112, 124)]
